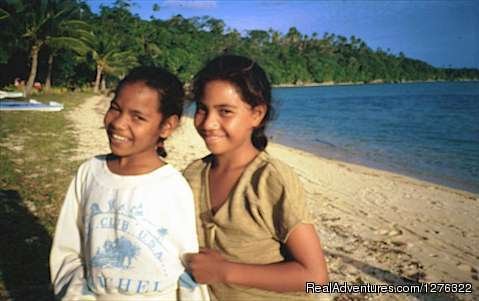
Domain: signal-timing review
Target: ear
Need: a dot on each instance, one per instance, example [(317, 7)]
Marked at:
[(168, 125), (258, 114)]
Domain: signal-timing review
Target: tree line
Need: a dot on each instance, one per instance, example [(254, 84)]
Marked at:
[(65, 43)]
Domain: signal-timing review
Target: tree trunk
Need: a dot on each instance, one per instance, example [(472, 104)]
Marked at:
[(99, 70), (33, 69), (103, 83), (48, 81)]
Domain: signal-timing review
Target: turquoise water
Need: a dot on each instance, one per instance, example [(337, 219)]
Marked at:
[(426, 130)]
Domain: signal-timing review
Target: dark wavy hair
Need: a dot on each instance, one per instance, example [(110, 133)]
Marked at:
[(170, 91), (249, 79)]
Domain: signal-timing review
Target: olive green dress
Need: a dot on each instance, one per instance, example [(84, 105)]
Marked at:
[(252, 226)]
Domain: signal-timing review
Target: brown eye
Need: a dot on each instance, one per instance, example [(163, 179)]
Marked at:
[(138, 117), (225, 112)]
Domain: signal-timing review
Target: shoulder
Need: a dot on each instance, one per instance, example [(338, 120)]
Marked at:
[(194, 169), (95, 161), (173, 185), (280, 168), (173, 178), (273, 182), (274, 174), (91, 165)]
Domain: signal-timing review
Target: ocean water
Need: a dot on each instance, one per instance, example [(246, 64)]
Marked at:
[(425, 130)]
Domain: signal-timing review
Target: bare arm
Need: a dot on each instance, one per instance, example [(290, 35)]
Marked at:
[(308, 265)]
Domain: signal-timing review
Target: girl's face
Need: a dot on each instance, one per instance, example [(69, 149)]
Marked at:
[(134, 123), (224, 120)]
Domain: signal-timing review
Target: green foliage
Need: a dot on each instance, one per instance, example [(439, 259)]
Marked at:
[(118, 40), (32, 25)]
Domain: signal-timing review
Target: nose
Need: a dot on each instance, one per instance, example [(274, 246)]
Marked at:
[(210, 122), (117, 121)]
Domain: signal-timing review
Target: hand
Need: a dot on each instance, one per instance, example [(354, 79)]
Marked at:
[(208, 266)]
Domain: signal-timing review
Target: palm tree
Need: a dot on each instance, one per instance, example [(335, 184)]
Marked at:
[(293, 36), (109, 58), (69, 34), (40, 23)]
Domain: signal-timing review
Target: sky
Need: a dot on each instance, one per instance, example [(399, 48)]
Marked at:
[(441, 33)]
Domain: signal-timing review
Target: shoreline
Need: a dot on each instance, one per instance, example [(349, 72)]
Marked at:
[(375, 226), (374, 82), (454, 183), (372, 169)]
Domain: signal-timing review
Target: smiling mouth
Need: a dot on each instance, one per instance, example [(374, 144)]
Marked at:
[(212, 138), (117, 138)]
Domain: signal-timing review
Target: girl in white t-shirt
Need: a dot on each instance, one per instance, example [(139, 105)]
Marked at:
[(128, 217)]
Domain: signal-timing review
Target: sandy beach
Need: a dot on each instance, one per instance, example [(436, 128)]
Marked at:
[(375, 226)]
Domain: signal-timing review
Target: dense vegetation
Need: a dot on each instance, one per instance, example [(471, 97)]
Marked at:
[(72, 46)]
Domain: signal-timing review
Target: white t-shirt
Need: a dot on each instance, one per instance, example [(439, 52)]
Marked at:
[(123, 237)]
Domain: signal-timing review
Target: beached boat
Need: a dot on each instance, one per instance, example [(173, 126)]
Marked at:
[(7, 94), (31, 105)]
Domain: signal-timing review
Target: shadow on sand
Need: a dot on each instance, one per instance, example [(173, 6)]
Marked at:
[(390, 278), (25, 247)]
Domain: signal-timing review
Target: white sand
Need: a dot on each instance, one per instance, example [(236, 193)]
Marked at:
[(375, 226)]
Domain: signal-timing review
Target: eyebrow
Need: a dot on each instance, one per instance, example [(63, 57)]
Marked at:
[(113, 102), (138, 112), (218, 106)]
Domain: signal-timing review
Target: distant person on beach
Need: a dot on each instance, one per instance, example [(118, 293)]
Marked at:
[(128, 217), (258, 242)]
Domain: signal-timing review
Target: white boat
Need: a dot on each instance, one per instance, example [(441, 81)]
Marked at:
[(32, 105), (6, 94)]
